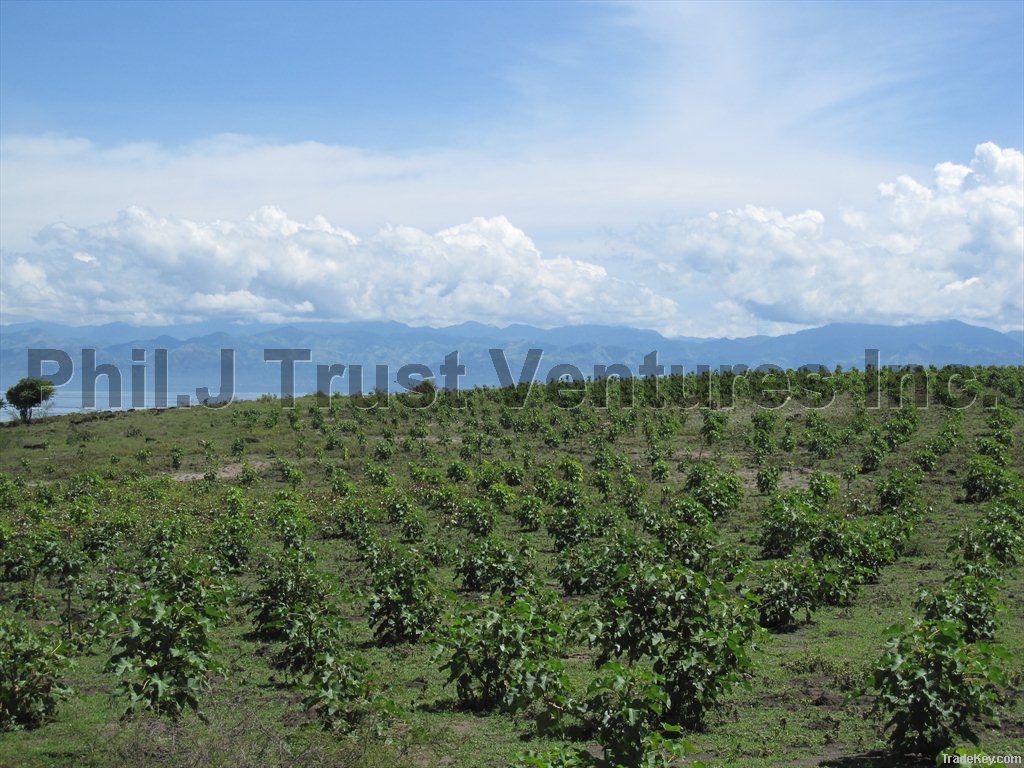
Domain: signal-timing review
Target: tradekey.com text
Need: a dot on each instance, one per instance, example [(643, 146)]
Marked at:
[(971, 759), (652, 384)]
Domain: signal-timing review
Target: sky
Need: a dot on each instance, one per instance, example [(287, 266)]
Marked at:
[(699, 169)]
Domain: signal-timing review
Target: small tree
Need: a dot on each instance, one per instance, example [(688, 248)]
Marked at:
[(28, 394)]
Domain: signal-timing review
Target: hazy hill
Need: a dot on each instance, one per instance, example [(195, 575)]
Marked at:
[(194, 349)]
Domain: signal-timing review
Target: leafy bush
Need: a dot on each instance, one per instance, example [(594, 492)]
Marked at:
[(930, 684), (164, 658), (384, 450), (502, 496), (285, 585), (338, 691), (232, 541), (994, 449), (570, 526), (459, 471), (290, 522), (583, 569), (494, 564), (308, 633), (505, 655), (404, 603), (32, 666), (900, 426), (864, 548), (378, 476), (626, 706), (712, 429), (838, 582), (413, 524), (1000, 418), (985, 479), (289, 472), (687, 509), (822, 440), (925, 458), (789, 590), (350, 520), (529, 514), (998, 536), (693, 546), (898, 489), (788, 521), (692, 629), (767, 479), (572, 470), (823, 487), (874, 454), (965, 599), (477, 517), (717, 490)]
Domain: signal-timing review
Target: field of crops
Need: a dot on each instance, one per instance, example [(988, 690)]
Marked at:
[(593, 577)]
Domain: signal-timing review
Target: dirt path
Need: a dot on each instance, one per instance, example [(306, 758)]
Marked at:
[(227, 472)]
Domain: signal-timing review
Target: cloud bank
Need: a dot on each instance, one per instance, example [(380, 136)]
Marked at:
[(952, 246), (269, 267)]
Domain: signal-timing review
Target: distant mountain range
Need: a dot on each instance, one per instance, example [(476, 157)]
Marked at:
[(194, 350)]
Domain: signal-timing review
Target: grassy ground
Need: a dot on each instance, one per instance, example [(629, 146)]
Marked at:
[(797, 709)]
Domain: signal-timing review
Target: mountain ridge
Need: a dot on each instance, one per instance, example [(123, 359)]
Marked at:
[(194, 350)]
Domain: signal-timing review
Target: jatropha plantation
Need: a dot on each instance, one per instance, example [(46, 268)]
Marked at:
[(691, 571)]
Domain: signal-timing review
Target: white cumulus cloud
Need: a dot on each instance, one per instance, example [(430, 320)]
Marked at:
[(951, 246), (152, 269)]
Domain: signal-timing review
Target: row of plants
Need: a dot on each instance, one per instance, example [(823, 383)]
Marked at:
[(943, 672)]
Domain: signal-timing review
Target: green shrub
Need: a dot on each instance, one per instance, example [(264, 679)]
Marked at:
[(164, 655), (717, 490), (570, 526), (993, 449), (404, 604), (712, 428), (494, 564), (789, 592), (930, 685), (529, 514), (32, 666), (965, 599), (338, 691), (985, 479), (688, 510), (823, 487), (505, 655), (898, 489), (767, 479), (874, 454), (998, 536), (477, 517), (787, 522), (583, 569), (692, 629), (232, 540), (284, 586), (822, 440), (626, 707), (925, 458), (307, 633)]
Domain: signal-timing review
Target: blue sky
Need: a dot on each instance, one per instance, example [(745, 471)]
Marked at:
[(604, 134), (387, 75), (408, 75)]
